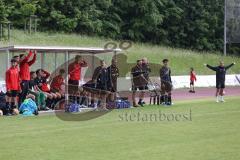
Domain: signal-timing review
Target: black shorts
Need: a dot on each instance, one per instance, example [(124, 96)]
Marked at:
[(3, 109), (12, 93), (73, 82), (191, 82), (73, 86), (220, 85), (166, 87), (140, 88), (101, 87)]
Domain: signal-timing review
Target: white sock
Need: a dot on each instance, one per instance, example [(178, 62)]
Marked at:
[(222, 98), (217, 99)]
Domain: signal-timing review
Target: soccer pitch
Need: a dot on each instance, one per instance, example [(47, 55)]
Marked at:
[(205, 130)]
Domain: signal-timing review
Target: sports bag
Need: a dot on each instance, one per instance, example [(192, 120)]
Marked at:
[(28, 108), (118, 104), (72, 108)]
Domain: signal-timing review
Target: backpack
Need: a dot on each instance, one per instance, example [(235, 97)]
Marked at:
[(72, 108), (2, 100), (28, 108)]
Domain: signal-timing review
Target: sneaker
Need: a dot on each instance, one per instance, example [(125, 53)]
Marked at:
[(46, 109), (135, 105), (100, 109), (163, 103), (8, 114), (193, 92), (190, 91), (169, 104), (140, 104), (83, 106), (217, 99), (91, 106)]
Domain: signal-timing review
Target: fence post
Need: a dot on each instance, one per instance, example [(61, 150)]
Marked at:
[(30, 25), (1, 31), (9, 31)]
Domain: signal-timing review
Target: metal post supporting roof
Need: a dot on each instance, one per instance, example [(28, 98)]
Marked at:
[(55, 62), (8, 59), (66, 83)]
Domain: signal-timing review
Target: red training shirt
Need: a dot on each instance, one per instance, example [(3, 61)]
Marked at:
[(75, 70), (45, 87), (57, 82), (12, 79), (25, 66), (193, 76)]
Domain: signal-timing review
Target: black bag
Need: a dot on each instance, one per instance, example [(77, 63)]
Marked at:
[(2, 100)]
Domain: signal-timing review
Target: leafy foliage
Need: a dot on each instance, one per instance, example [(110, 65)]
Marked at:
[(180, 23)]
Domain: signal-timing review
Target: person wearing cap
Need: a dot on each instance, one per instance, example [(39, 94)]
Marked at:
[(166, 83), (220, 70), (13, 88), (138, 83), (25, 64)]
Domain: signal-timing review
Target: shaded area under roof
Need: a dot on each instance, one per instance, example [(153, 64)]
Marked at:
[(58, 49)]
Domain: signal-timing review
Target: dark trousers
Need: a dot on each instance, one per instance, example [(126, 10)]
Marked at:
[(73, 90), (25, 88)]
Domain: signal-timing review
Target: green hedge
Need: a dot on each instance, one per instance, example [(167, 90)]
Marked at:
[(193, 24)]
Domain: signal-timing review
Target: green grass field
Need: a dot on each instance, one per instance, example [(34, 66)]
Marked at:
[(212, 133), (181, 59)]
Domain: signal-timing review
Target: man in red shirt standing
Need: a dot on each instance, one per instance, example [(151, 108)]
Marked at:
[(25, 64), (74, 71), (13, 88)]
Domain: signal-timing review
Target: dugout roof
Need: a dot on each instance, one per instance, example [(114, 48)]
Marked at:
[(58, 49)]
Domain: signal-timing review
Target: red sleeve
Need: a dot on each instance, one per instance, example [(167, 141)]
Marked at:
[(19, 80), (84, 64), (47, 74), (7, 80), (194, 77), (25, 60), (33, 60)]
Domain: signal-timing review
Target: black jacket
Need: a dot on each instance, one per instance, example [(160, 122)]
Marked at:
[(146, 69), (220, 72), (102, 78), (165, 74)]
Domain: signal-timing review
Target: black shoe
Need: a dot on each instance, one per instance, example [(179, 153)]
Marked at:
[(36, 113), (46, 109), (8, 114), (140, 103)]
